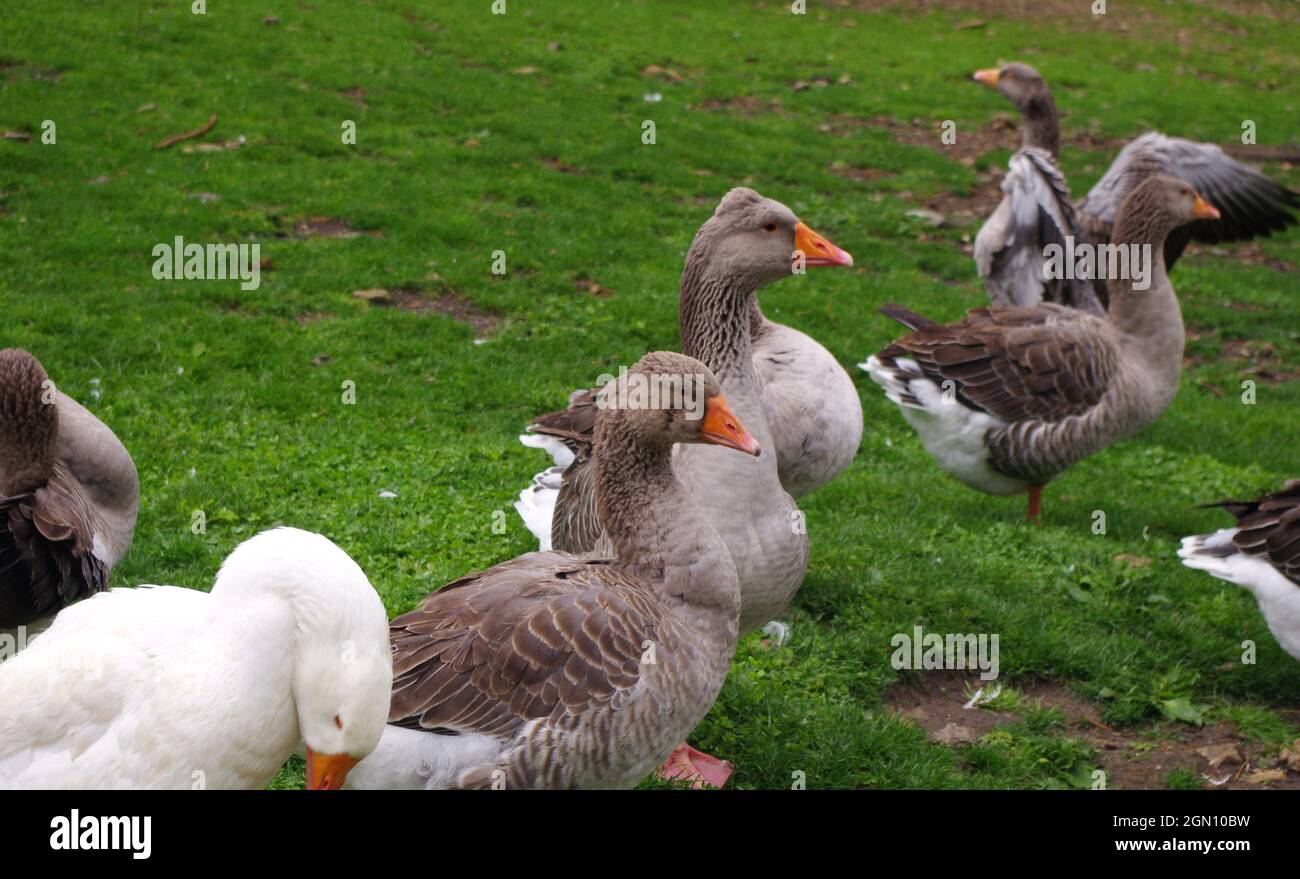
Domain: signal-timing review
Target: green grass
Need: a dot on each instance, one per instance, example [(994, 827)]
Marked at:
[(216, 392)]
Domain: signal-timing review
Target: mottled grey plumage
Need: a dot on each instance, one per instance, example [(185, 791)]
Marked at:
[(1250, 204), (559, 671), (1033, 212), (69, 495), (731, 257), (812, 405), (1031, 391)]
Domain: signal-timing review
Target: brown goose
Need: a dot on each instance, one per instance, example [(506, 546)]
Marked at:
[(69, 495), (1008, 398), (561, 671), (1261, 554), (1037, 211), (746, 244)]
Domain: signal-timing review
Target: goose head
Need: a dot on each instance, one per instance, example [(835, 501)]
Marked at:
[(1162, 203), (1018, 83), (342, 690), (342, 667), (669, 398), (758, 240)]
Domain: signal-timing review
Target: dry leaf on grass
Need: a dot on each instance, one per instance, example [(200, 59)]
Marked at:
[(1219, 754)]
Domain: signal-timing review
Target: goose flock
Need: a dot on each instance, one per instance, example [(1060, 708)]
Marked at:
[(667, 523)]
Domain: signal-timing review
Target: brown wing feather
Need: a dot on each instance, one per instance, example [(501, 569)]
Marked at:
[(575, 425), (543, 635), (1269, 527), (46, 550), (575, 525), (1044, 362)]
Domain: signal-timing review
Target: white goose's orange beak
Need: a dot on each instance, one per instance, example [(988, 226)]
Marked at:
[(328, 771), (722, 428), (817, 251), (1204, 210), (988, 76)]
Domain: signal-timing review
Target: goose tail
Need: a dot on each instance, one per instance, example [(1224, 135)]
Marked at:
[(536, 504), (29, 423), (1216, 554)]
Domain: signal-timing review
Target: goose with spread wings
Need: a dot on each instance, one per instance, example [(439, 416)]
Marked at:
[(1037, 210)]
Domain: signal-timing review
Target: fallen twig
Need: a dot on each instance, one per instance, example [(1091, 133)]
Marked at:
[(189, 135)]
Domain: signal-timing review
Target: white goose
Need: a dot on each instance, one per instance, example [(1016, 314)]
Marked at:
[(165, 687)]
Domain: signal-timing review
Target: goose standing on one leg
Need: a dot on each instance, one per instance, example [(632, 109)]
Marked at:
[(69, 495), (1007, 399), (1261, 554), (1036, 210), (555, 670), (164, 687)]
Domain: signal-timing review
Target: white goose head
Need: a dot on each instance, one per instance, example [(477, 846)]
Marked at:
[(342, 663)]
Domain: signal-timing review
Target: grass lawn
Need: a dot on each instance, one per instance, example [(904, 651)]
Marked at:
[(522, 133)]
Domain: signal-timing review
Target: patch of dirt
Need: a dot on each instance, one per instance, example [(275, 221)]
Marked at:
[(1259, 359), (1248, 252), (413, 298), (556, 164), (857, 172), (1255, 357), (12, 69), (311, 317), (1075, 16), (328, 227), (971, 142), (592, 287), (356, 95), (747, 106), (1137, 758)]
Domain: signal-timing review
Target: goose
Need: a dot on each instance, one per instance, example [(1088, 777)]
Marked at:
[(69, 495), (1006, 399), (812, 405), (750, 241), (555, 670), (166, 687), (1036, 209), (1261, 554)]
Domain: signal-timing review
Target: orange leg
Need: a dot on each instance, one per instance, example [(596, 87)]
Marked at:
[(1035, 504)]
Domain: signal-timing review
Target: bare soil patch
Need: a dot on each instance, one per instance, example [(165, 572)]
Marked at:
[(329, 227), (1135, 758), (447, 303)]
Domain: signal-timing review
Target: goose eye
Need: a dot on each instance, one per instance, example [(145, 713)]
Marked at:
[(771, 227), (338, 722)]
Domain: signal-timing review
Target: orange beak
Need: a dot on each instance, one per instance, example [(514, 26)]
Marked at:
[(989, 76), (817, 251), (1204, 210), (722, 428), (328, 771)]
